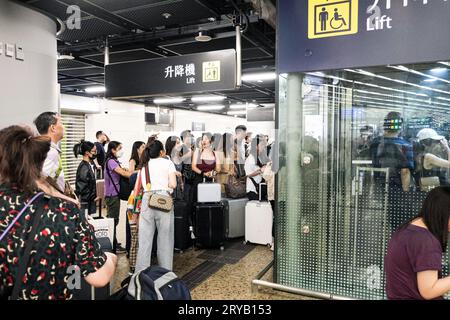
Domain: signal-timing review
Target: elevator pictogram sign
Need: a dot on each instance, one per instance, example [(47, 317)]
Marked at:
[(332, 18)]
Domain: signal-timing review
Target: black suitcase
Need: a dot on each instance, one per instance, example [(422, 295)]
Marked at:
[(210, 227), (88, 292), (182, 212)]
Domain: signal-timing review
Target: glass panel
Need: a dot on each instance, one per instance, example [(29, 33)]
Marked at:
[(344, 138)]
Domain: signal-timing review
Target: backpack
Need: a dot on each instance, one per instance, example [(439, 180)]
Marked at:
[(390, 155), (154, 283)]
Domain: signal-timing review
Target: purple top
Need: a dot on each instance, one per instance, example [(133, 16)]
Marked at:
[(410, 250), (110, 191)]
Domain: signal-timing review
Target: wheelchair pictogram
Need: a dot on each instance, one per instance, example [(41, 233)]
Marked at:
[(338, 21), (328, 18)]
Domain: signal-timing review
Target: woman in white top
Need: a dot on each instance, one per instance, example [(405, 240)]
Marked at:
[(254, 167), (162, 176)]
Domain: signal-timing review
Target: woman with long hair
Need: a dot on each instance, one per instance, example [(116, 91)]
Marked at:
[(136, 154), (85, 182), (204, 161), (226, 157), (113, 172), (157, 176), (42, 236), (413, 262)]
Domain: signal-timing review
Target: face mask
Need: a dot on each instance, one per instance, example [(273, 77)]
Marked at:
[(93, 157), (119, 154)]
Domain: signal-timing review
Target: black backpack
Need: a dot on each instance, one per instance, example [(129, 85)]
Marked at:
[(153, 283), (125, 187)]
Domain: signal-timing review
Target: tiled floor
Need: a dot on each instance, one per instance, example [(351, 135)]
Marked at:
[(211, 275)]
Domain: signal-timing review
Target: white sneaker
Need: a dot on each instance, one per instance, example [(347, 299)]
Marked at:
[(273, 244)]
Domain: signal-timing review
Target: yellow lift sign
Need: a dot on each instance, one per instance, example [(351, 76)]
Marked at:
[(211, 71), (332, 18)]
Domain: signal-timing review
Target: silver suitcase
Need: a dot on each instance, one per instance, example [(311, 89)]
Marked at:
[(235, 217), (209, 192)]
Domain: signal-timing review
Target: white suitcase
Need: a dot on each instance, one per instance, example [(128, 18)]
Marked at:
[(258, 222), (209, 192)]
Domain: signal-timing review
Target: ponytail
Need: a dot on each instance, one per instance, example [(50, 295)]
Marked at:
[(81, 148)]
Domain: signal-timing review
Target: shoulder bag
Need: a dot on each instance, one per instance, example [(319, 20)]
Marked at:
[(158, 201)]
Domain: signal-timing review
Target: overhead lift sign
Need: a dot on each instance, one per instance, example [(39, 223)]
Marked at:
[(203, 72), (334, 34)]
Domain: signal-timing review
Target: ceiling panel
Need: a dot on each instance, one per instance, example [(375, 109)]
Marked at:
[(83, 72), (182, 13), (91, 28), (71, 64), (54, 8), (116, 5)]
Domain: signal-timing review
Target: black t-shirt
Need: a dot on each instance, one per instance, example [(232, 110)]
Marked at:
[(101, 155)]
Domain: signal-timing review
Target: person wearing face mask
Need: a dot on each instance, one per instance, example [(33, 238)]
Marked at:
[(85, 184), (113, 172)]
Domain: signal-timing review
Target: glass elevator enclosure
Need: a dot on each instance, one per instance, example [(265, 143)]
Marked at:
[(337, 203)]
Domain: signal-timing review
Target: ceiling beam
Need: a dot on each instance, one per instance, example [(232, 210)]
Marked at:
[(156, 34)]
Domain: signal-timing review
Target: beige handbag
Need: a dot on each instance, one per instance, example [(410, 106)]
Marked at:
[(158, 201)]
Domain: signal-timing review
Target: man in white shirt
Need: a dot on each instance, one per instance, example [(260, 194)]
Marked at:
[(50, 124)]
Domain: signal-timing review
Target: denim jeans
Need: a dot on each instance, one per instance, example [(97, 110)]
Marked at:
[(149, 221)]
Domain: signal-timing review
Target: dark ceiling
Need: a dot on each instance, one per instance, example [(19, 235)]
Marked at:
[(140, 29)]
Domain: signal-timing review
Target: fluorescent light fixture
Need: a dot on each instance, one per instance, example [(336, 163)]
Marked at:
[(430, 80), (445, 63), (438, 70), (403, 68), (237, 113), (168, 100), (398, 81), (264, 76), (96, 89), (207, 98), (210, 108)]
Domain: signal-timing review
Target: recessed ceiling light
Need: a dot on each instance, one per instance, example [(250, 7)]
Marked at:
[(166, 15), (212, 19)]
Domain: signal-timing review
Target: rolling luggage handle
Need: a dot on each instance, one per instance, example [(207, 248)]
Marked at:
[(260, 192)]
